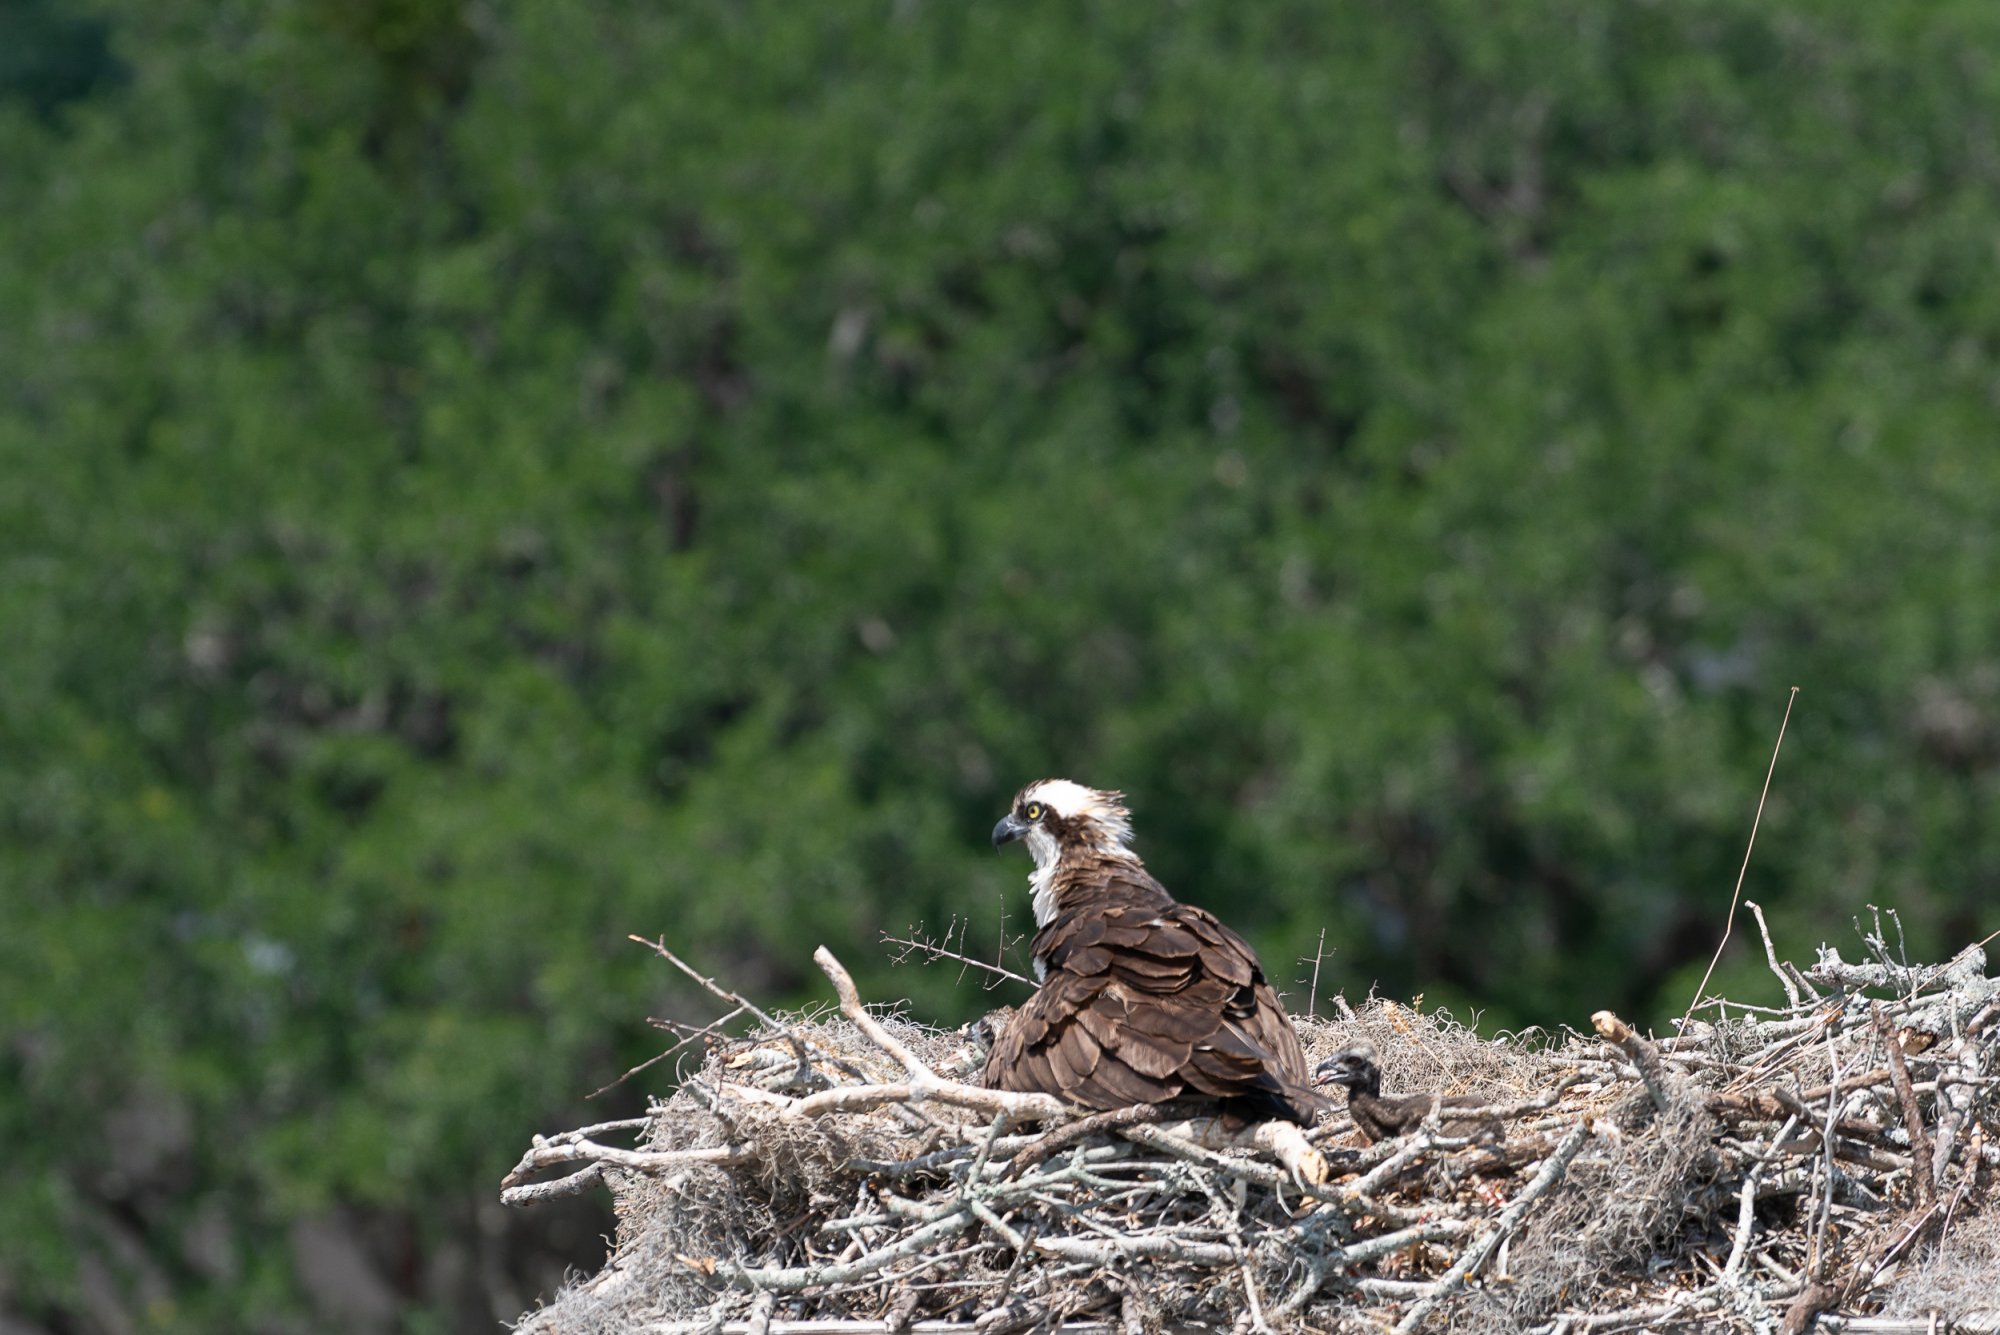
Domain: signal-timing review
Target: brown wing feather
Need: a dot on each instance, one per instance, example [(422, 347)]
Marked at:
[(1146, 1000)]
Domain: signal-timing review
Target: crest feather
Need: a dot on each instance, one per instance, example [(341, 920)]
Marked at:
[(1103, 809)]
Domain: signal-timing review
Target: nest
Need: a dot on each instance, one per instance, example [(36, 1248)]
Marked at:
[(1829, 1162)]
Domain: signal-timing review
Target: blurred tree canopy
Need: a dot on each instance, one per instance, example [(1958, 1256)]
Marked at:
[(486, 477)]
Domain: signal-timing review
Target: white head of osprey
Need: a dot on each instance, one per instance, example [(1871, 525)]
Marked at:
[(1052, 814)]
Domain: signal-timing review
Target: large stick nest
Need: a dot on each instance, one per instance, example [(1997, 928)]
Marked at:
[(1828, 1161)]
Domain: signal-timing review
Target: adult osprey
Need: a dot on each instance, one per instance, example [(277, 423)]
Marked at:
[(1142, 999)]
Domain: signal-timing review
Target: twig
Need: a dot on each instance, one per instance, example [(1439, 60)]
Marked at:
[(1198, 1137), (1746, 1218), (1891, 1248), (1388, 1244), (1054, 1142), (1771, 956), (1955, 1103), (884, 1325), (1389, 1168), (1304, 1291), (543, 1154), (851, 1007), (649, 1063), (1645, 1057), (1744, 870), (1913, 1118), (791, 1279), (1510, 1219), (534, 1193), (1819, 1295), (800, 1046), (934, 952), (923, 1081), (935, 1089), (1312, 988)]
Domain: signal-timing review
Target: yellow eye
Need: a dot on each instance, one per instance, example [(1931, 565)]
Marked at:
[(1034, 811)]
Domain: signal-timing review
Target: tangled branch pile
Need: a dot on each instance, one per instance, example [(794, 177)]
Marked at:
[(1829, 1161)]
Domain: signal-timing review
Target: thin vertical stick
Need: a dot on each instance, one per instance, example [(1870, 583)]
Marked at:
[(1312, 988), (1744, 870)]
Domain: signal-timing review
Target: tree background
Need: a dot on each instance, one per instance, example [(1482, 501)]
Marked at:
[(485, 477)]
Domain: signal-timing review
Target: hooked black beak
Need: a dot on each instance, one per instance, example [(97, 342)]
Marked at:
[(1330, 1071), (1010, 828)]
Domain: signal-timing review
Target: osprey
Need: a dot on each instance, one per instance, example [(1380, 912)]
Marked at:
[(1142, 999), (1381, 1117)]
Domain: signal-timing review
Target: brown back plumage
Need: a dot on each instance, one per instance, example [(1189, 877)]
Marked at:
[(1146, 1000)]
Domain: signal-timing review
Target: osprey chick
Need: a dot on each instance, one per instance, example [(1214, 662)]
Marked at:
[(1142, 999), (1379, 1117)]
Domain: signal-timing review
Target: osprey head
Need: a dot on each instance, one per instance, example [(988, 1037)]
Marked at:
[(1356, 1067), (1055, 814)]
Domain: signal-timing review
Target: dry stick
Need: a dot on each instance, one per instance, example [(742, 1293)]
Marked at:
[(647, 1064), (1374, 1249), (1361, 1253), (851, 1007), (884, 1325), (1385, 1171), (1845, 1085), (1890, 1249), (1913, 1120), (1304, 1168), (1821, 1263), (902, 1309), (789, 1032), (1312, 988), (1304, 1292), (1746, 1217), (1009, 1317), (923, 1081), (1053, 1142), (787, 1279), (760, 1314), (910, 1093), (1120, 1249), (597, 1129), (1257, 1322), (1953, 1105), (1744, 870), (1510, 1219), (1655, 1315), (1820, 1294), (535, 1192), (1771, 955), (1645, 1057), (933, 952), (542, 1154)]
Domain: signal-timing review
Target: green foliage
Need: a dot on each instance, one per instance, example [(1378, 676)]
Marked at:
[(488, 479)]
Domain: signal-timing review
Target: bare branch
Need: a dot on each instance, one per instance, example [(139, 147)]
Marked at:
[(932, 952), (1645, 1057), (1913, 1118), (545, 1154), (1476, 1255)]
